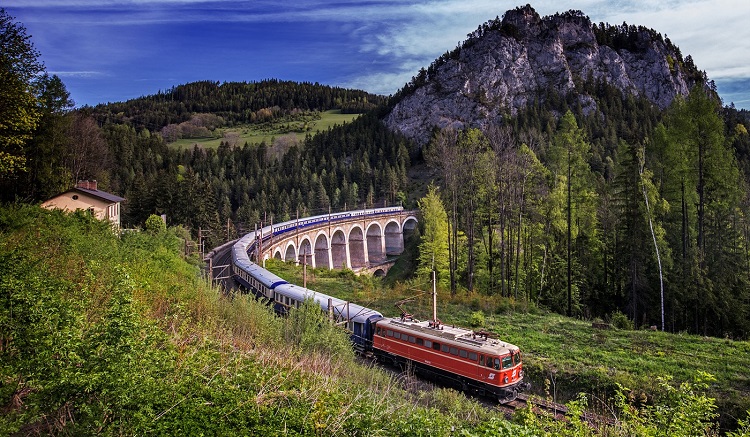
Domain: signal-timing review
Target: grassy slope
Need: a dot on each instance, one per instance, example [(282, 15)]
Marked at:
[(107, 335), (565, 356), (255, 134)]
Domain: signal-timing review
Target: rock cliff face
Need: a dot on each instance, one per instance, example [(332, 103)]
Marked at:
[(510, 62)]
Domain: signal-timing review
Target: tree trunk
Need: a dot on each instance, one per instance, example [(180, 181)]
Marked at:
[(570, 275)]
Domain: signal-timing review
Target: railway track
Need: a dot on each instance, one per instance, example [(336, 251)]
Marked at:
[(222, 257), (553, 409), (558, 411)]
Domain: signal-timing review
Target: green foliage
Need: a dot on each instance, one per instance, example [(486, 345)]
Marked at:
[(19, 114), (743, 427), (278, 133), (155, 225), (620, 321), (234, 102), (108, 336), (433, 250), (685, 411), (498, 428), (72, 342), (477, 319), (309, 328)]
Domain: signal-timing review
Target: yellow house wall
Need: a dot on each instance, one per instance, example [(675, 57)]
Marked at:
[(84, 202)]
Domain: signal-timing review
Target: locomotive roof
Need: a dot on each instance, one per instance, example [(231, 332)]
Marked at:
[(460, 336)]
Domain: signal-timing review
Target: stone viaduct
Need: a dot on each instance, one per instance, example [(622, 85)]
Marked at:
[(361, 243)]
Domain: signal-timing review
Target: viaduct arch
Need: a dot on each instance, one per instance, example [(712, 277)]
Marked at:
[(362, 243)]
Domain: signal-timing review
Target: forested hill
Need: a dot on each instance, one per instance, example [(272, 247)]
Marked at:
[(235, 102), (589, 198), (588, 168)]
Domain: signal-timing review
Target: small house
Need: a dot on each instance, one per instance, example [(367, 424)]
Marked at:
[(87, 197)]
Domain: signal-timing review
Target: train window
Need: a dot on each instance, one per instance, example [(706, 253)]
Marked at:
[(473, 356), (379, 331), (497, 363), (396, 334), (412, 339), (427, 343), (517, 358), (481, 360), (390, 333), (420, 342), (507, 362), (445, 348), (454, 351), (436, 346), (462, 353)]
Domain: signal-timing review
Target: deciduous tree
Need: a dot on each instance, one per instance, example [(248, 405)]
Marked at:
[(19, 113)]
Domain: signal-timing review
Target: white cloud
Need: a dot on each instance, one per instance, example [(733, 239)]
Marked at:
[(64, 74)]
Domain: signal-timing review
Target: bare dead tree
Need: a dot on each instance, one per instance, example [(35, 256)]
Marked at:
[(89, 155), (442, 154)]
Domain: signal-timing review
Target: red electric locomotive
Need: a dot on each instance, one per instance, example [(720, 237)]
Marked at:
[(469, 360)]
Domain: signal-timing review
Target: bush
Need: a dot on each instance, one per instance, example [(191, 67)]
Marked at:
[(155, 225), (477, 319), (308, 327), (620, 321)]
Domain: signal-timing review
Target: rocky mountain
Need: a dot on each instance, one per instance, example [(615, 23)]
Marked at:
[(510, 62)]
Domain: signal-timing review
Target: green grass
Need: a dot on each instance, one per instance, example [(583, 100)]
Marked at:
[(565, 356), (120, 336), (267, 132), (82, 308)]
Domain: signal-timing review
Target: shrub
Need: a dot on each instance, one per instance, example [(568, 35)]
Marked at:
[(155, 225), (621, 321), (477, 319), (474, 304)]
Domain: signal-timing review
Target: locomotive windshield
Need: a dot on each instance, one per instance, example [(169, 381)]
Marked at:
[(507, 362)]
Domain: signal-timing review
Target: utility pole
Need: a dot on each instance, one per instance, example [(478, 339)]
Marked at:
[(200, 242), (304, 270)]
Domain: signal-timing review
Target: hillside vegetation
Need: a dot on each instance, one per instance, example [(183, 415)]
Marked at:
[(586, 199), (108, 335), (564, 357), (282, 132), (121, 336)]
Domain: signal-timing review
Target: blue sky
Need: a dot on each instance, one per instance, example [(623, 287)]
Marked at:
[(114, 50)]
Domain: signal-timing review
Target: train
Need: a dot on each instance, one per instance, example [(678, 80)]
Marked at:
[(472, 361)]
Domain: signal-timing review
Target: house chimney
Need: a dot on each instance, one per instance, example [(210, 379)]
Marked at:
[(87, 185)]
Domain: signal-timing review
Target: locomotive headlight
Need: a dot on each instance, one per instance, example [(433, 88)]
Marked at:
[(505, 380)]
